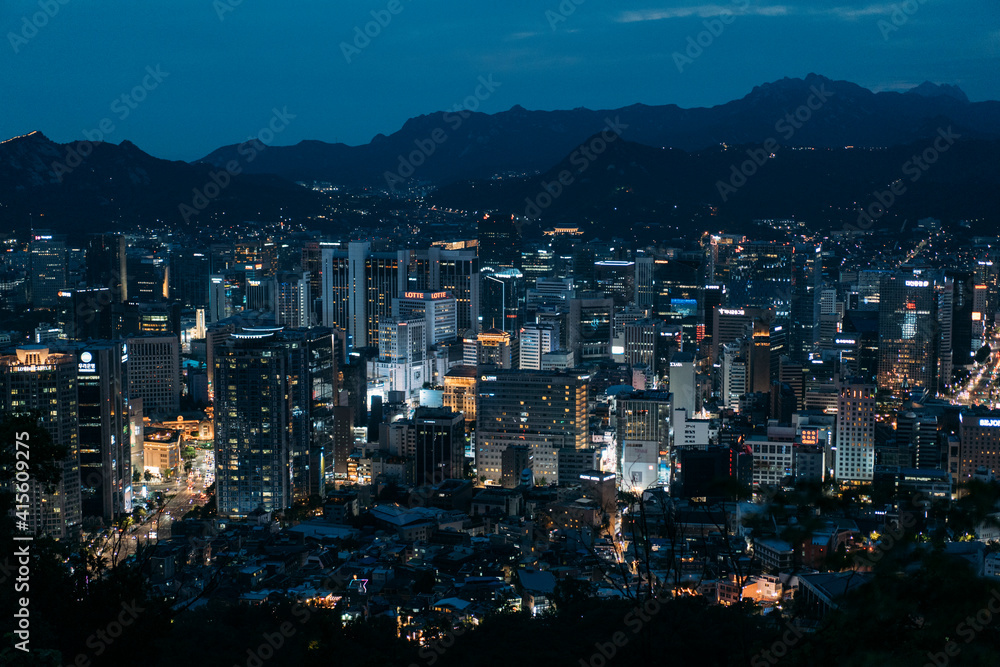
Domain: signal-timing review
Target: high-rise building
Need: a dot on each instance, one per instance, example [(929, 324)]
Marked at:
[(48, 269), (760, 276), (499, 243), (438, 310), (85, 314), (154, 374), (36, 379), (642, 424), (542, 410), (502, 299), (734, 375), (536, 340), (104, 435), (683, 382), (979, 444), (402, 345), (591, 329), (439, 448), (106, 265), (274, 417), (915, 331), (616, 278), (190, 272), (490, 348), (292, 300), (855, 437), (807, 276), (460, 392)]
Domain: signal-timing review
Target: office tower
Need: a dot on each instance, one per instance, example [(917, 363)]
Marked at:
[(146, 276), (644, 286), (312, 372), (343, 439), (48, 269), (760, 357), (979, 444), (449, 269), (734, 375), (460, 392), (252, 449), (536, 340), (104, 443), (760, 276), (153, 318), (374, 279), (542, 410), (492, 348), (136, 436), (219, 303), (85, 314), (106, 264), (335, 278), (615, 278), (439, 447), (537, 261), (35, 379), (642, 425), (275, 420), (402, 346), (915, 347), (439, 310), (260, 295), (154, 374), (732, 324), (807, 276), (683, 382), (499, 243), (502, 299), (590, 327), (855, 437), (292, 300), (641, 338), (190, 273)]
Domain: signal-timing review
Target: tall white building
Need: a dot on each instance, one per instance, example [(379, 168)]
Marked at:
[(855, 458), (402, 358), (439, 311), (537, 340), (291, 300)]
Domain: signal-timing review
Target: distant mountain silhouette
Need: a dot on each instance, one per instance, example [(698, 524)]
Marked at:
[(518, 141), (630, 185), (72, 187)]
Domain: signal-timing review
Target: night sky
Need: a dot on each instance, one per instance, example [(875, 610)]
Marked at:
[(225, 65)]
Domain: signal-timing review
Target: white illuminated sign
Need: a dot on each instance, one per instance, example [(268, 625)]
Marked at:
[(489, 378), (728, 311), (917, 283), (86, 357), (989, 423), (845, 341)]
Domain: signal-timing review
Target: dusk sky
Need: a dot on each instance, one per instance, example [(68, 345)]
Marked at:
[(225, 65)]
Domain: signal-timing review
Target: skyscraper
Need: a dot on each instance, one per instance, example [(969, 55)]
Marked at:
[(915, 329), (439, 451), (104, 444), (292, 300), (855, 458), (106, 265), (36, 379), (154, 374), (536, 340), (48, 269)]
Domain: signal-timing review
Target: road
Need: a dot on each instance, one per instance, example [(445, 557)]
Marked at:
[(977, 389), (157, 526)]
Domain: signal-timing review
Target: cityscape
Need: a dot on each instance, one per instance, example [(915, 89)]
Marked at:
[(713, 384)]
